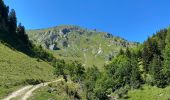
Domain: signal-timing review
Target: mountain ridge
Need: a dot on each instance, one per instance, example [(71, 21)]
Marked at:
[(75, 42), (81, 27)]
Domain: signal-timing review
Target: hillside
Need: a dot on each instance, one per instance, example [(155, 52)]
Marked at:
[(16, 68), (90, 47)]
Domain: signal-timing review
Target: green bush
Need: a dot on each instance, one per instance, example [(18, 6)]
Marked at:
[(34, 81)]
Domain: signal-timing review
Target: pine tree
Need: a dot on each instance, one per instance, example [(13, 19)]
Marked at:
[(1, 9), (22, 34), (167, 57), (145, 58), (150, 49), (156, 72), (128, 53), (135, 80), (12, 21), (4, 10), (121, 52)]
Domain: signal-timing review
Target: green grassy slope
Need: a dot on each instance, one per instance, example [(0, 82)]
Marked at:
[(16, 67), (58, 91), (90, 47), (145, 93), (150, 93)]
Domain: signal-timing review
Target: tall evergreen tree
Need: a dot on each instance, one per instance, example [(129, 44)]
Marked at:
[(150, 49), (2, 5), (156, 72), (167, 57), (128, 53), (12, 21), (135, 80), (4, 10), (22, 34), (92, 74), (121, 52)]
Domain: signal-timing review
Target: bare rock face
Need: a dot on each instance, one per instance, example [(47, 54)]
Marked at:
[(64, 31), (53, 47), (108, 35)]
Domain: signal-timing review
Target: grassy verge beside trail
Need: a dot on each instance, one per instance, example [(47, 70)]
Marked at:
[(16, 68)]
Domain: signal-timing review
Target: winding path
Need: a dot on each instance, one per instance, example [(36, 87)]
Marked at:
[(27, 91), (18, 92)]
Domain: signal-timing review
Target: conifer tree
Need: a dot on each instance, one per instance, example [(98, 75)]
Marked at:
[(156, 72), (22, 34), (135, 80), (4, 10), (12, 21), (128, 53), (167, 57), (121, 52)]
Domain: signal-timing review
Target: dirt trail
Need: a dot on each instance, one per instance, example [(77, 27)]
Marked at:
[(18, 92), (27, 91)]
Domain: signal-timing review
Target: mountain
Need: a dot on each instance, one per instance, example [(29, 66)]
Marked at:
[(89, 47)]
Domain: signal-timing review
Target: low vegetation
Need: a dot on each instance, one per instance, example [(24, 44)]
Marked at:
[(58, 91), (149, 93)]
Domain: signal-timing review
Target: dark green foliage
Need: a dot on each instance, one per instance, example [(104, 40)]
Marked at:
[(103, 87), (76, 71), (166, 65), (60, 67), (124, 71), (128, 53), (22, 34), (153, 46), (39, 52), (3, 15), (156, 59), (33, 81), (150, 48), (135, 80), (161, 39), (156, 72), (91, 76), (121, 52), (12, 21)]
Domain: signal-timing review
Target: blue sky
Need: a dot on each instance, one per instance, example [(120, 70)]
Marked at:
[(133, 20)]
